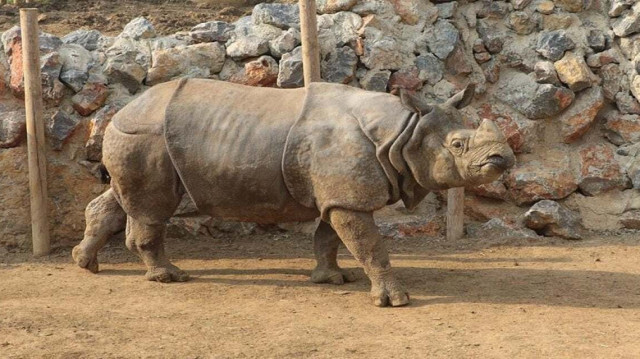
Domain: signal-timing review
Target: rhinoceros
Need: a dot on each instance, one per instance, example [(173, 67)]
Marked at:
[(270, 155)]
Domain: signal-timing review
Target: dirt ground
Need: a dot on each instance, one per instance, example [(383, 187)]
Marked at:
[(250, 297), (60, 17)]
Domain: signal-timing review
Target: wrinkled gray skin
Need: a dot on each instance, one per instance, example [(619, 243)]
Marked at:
[(329, 151)]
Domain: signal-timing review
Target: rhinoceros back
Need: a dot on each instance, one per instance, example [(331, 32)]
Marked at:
[(227, 141)]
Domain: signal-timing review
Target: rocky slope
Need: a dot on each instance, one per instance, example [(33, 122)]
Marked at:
[(561, 78)]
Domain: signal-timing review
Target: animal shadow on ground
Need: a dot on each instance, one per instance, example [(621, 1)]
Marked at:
[(429, 285)]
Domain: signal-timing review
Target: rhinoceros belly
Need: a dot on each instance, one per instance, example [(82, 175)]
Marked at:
[(227, 143)]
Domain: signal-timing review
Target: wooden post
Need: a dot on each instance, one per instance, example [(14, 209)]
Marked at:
[(455, 213), (35, 131), (309, 39)]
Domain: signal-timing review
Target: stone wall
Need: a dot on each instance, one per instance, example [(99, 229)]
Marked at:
[(561, 78)]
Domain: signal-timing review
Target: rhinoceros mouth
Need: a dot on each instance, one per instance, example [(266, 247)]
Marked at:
[(497, 161)]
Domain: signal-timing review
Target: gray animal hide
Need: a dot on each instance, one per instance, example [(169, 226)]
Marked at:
[(245, 152)]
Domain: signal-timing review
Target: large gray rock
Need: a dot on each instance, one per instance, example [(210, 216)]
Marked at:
[(629, 23), (545, 73), (76, 62), (382, 48), (376, 80), (97, 127), (447, 10), (333, 6), (337, 30), (612, 81), (493, 9), (497, 228), (211, 31), (534, 100), (549, 218), (229, 69), (12, 128), (597, 40), (124, 69), (630, 46), (290, 74), (340, 66), (627, 104), (553, 44), (50, 68), (200, 60), (89, 39), (283, 16), (60, 127), (48, 43), (248, 46), (442, 38), (430, 68), (491, 35), (139, 28), (284, 43)]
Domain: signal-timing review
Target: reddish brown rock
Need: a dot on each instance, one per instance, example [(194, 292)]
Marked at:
[(458, 63), (622, 129), (484, 209), (97, 126), (90, 98), (406, 78), (577, 119), (532, 181), (409, 10), (495, 190), (518, 130), (17, 74), (262, 72), (599, 171)]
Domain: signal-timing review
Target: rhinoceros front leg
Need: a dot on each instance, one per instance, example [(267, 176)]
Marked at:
[(148, 240), (360, 235), (325, 248)]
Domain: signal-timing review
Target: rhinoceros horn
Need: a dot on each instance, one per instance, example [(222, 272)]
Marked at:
[(488, 131)]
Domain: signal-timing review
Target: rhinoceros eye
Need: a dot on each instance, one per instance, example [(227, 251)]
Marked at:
[(457, 144)]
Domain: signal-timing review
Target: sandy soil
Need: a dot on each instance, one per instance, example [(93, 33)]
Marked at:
[(60, 17), (250, 298)]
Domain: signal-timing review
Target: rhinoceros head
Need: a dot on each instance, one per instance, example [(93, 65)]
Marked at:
[(443, 153)]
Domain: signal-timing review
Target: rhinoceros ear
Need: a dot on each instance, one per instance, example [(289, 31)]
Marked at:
[(462, 98), (414, 103)]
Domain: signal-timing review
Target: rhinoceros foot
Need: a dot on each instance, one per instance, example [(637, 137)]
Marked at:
[(333, 276), (166, 274), (84, 259), (389, 292)]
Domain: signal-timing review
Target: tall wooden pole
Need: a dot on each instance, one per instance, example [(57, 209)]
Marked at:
[(35, 131), (455, 213), (309, 39)]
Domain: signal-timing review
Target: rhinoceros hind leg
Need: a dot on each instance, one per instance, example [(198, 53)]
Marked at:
[(325, 247), (104, 218), (149, 245), (360, 235)]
